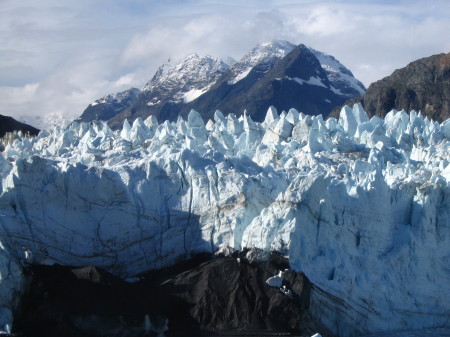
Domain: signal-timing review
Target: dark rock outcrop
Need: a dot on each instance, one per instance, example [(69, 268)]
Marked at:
[(9, 124), (194, 298), (422, 85)]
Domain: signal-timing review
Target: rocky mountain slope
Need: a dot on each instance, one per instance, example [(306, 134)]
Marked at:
[(423, 85), (360, 206), (277, 73), (9, 124), (109, 106), (296, 81)]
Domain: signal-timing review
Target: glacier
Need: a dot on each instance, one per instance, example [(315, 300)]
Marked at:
[(361, 206)]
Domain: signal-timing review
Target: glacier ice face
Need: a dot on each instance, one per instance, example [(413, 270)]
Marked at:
[(361, 206)]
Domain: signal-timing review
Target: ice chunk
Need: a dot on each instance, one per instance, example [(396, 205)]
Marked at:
[(151, 122), (139, 131), (234, 126), (275, 281), (293, 116), (271, 116), (359, 113), (225, 250), (277, 131), (347, 120), (446, 129), (314, 144), (301, 130), (256, 255), (195, 119), (249, 124), (209, 125), (125, 133), (218, 117)]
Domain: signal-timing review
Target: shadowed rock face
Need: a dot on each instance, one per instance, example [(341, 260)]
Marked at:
[(223, 294), (422, 85), (108, 106), (9, 124)]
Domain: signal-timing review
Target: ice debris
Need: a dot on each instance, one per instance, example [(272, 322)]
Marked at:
[(275, 281)]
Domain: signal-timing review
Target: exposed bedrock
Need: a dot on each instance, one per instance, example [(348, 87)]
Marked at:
[(191, 298)]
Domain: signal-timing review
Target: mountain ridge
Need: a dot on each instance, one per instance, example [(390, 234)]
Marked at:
[(422, 85), (275, 87), (208, 84), (9, 124)]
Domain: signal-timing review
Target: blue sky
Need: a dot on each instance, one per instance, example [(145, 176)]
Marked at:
[(58, 56)]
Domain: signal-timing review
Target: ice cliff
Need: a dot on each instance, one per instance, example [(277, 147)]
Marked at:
[(361, 206)]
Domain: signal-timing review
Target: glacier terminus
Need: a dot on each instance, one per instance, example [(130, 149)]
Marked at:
[(361, 206)]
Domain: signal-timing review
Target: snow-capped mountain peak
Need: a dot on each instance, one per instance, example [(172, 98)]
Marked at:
[(186, 79), (267, 51), (110, 105), (341, 78), (207, 83), (118, 97), (264, 54)]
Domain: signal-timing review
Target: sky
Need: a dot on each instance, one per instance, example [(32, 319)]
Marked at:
[(57, 57)]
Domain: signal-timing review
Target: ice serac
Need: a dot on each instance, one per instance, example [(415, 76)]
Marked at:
[(361, 206)]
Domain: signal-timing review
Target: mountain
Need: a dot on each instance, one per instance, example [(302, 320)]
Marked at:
[(173, 84), (423, 85), (314, 83), (342, 79), (9, 124), (297, 81), (264, 55), (360, 206), (107, 107)]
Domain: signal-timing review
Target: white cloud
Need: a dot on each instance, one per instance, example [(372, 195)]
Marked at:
[(60, 56), (325, 21), (16, 96), (124, 81)]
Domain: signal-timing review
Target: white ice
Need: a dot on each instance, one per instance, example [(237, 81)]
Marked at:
[(361, 206)]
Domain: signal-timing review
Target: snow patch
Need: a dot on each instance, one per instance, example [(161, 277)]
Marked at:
[(338, 74), (240, 76), (311, 81), (336, 91), (193, 94)]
